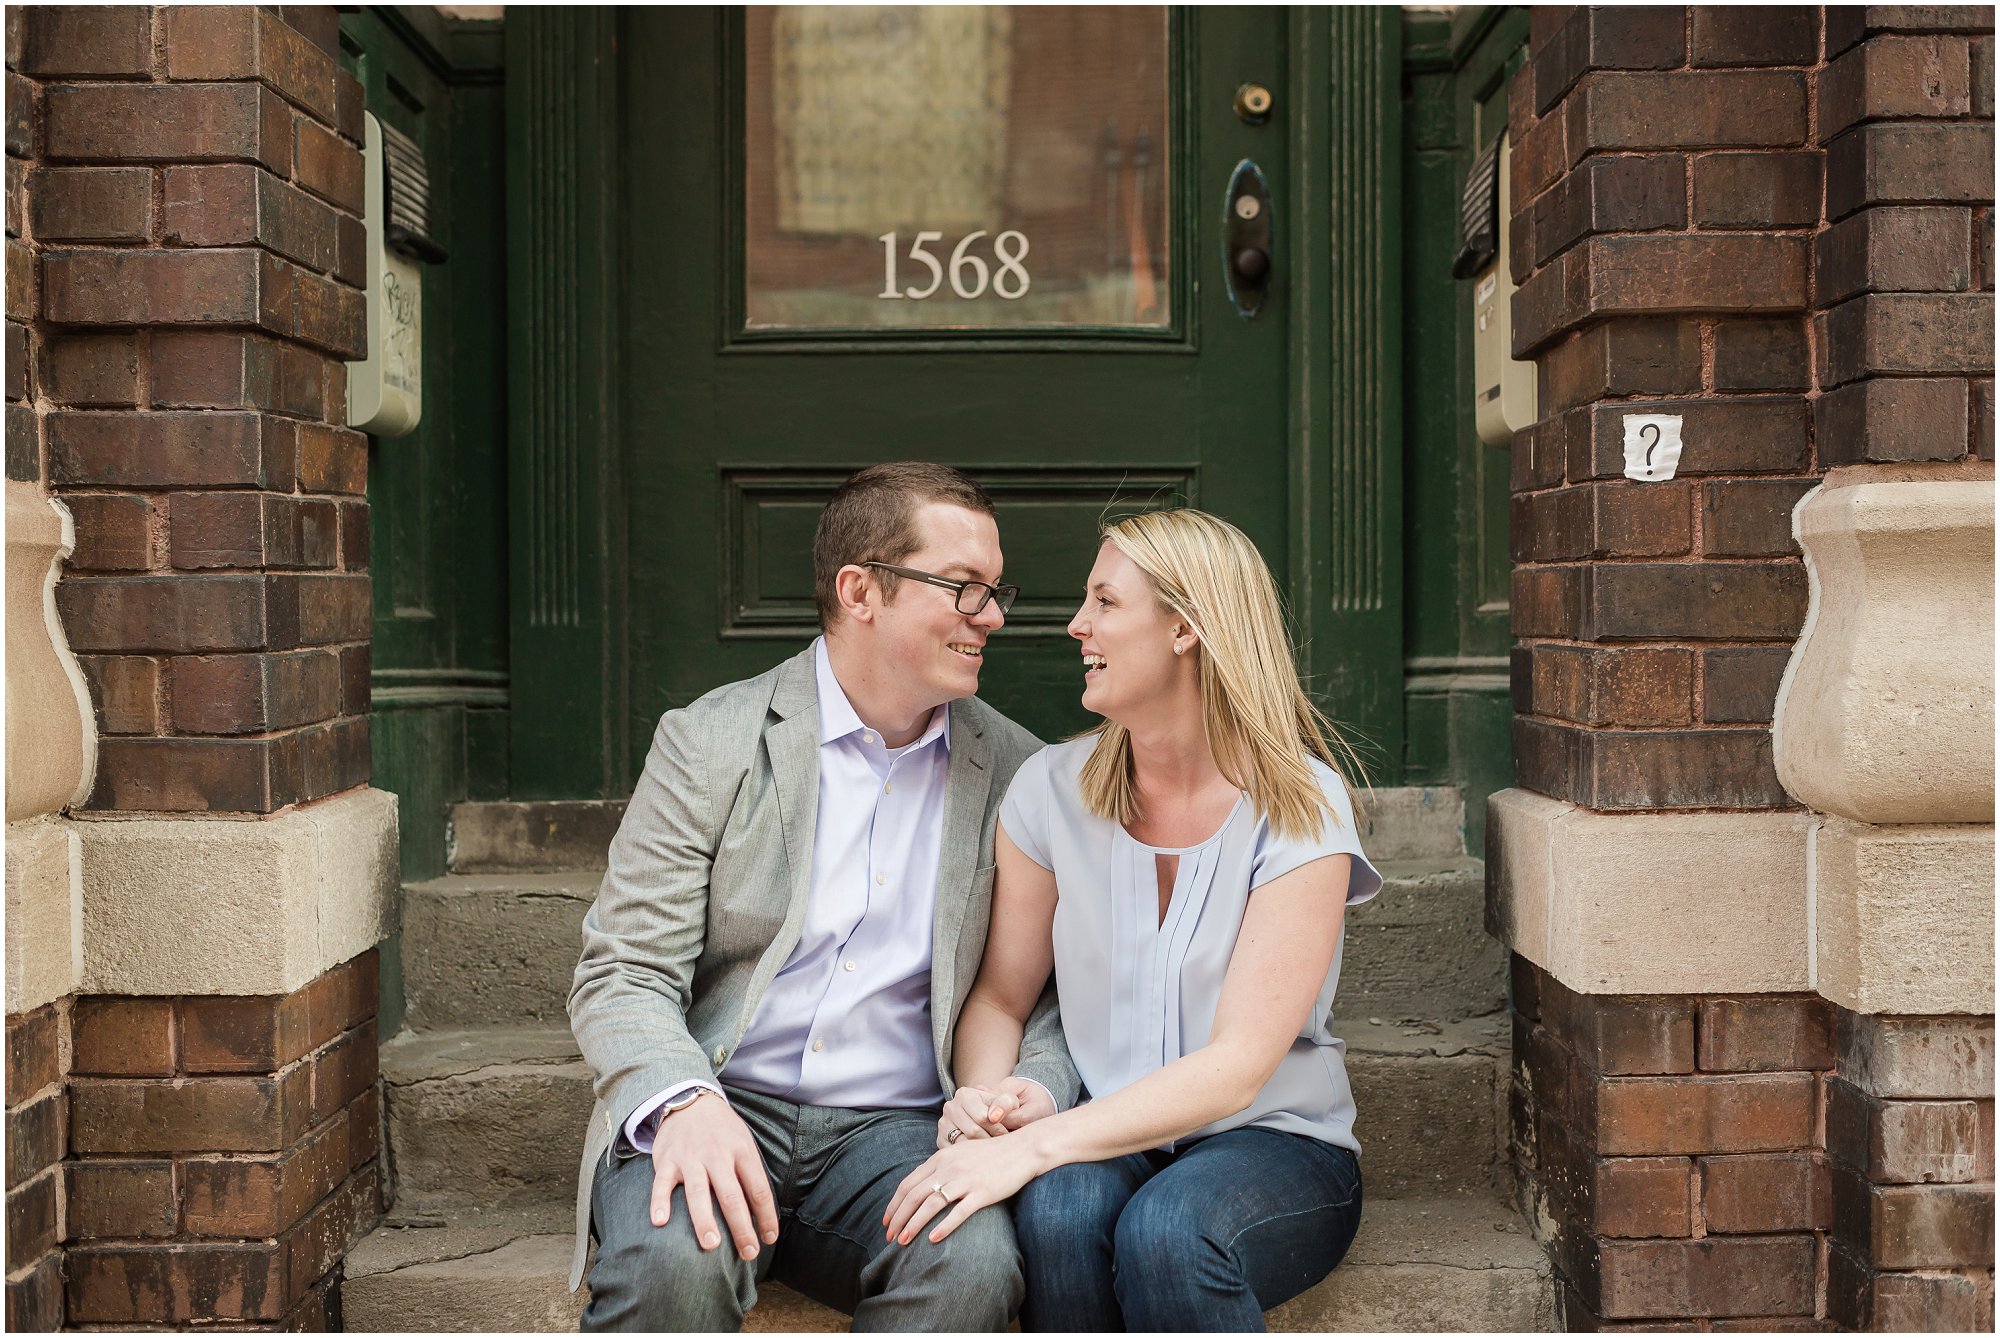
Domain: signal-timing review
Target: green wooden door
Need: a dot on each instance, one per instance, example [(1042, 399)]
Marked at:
[(710, 368)]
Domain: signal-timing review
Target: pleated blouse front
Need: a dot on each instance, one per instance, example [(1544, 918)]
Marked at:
[(1139, 990)]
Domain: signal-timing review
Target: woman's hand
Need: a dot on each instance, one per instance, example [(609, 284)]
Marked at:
[(965, 1177), (985, 1112)]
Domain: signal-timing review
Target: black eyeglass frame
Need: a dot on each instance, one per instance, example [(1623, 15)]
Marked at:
[(1005, 595)]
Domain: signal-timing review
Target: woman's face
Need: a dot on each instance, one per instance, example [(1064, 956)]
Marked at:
[(1127, 639)]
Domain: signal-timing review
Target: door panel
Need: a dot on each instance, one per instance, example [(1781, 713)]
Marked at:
[(736, 427)]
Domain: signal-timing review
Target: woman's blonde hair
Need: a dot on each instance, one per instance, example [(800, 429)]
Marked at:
[(1258, 720)]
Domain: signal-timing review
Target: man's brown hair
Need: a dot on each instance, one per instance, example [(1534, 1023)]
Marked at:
[(873, 518)]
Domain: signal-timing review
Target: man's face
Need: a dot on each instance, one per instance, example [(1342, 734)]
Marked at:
[(922, 639)]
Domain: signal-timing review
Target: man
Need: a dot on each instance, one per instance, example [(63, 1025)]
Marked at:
[(794, 911)]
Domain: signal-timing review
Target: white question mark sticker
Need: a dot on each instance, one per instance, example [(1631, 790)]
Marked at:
[(1652, 446)]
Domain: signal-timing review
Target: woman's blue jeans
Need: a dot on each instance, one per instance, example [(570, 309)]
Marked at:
[(1205, 1238)]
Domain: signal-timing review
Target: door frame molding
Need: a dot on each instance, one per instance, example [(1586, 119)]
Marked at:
[(1346, 420), (566, 526)]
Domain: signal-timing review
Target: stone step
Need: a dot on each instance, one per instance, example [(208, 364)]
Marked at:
[(1420, 948), (499, 949), (1431, 1265), (1420, 822), (460, 1266), (496, 1115), (1416, 1265), (493, 949), (1429, 1102), (551, 836), (530, 836)]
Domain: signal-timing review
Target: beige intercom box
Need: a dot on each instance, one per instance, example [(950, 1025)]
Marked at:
[(385, 391), (1503, 388)]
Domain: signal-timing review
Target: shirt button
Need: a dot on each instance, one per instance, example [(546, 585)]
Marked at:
[(848, 966), (881, 879), (868, 738), (819, 1045), (891, 785)]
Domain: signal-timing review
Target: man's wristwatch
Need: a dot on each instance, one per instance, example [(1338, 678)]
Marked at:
[(681, 1102)]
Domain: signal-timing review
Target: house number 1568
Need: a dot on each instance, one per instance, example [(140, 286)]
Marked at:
[(969, 273)]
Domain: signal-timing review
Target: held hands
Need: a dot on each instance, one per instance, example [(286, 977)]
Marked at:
[(707, 1147), (964, 1177), (982, 1112)]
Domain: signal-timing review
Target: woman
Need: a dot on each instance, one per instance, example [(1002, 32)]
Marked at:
[(1183, 869)]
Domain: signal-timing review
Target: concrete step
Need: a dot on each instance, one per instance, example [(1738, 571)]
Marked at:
[(551, 836), (497, 1114), (1429, 1101), (462, 1266), (502, 1273), (499, 949), (1420, 948), (1428, 1266), (530, 836), (1416, 1265), (492, 949), (1421, 822)]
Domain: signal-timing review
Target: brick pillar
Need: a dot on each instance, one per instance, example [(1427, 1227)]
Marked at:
[(45, 771), (1909, 1130), (185, 259), (224, 1153), (1715, 219), (37, 1135), (1666, 1149), (1904, 333), (1904, 330), (1670, 200), (197, 213)]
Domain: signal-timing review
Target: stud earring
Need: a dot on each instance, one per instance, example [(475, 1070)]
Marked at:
[(1179, 648)]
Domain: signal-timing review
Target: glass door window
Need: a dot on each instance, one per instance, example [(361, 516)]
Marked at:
[(956, 167)]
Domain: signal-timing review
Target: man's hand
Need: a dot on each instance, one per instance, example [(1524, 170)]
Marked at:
[(707, 1147), (980, 1112)]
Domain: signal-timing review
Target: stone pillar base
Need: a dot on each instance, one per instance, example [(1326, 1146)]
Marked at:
[(1650, 903), (222, 905)]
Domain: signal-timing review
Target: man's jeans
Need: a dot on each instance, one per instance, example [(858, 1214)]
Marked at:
[(833, 1173), (1202, 1239)]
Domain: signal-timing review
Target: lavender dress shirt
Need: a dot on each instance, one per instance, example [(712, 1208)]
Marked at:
[(847, 1020)]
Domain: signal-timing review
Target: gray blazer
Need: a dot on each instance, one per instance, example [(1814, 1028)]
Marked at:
[(706, 890)]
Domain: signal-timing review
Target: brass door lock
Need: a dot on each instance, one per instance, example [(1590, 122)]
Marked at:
[(1253, 103)]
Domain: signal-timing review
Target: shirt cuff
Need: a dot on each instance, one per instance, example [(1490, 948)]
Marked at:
[(640, 1124), (1054, 1104)]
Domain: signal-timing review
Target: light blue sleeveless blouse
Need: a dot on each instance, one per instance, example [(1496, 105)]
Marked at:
[(1138, 991)]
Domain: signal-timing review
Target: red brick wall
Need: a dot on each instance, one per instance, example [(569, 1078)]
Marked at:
[(184, 248), (37, 1137), (1776, 222), (224, 1153), (184, 200), (1903, 326), (1761, 1161), (1665, 192), (1909, 1135), (1671, 1146)]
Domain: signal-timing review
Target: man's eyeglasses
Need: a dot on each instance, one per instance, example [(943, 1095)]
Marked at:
[(976, 594)]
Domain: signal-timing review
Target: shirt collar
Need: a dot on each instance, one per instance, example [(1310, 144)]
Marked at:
[(837, 717)]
